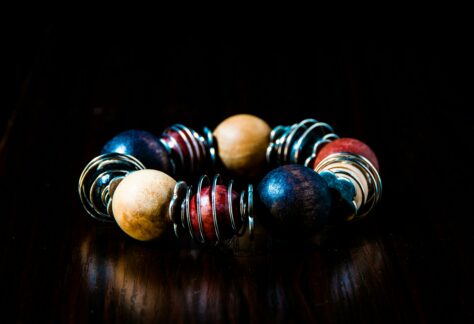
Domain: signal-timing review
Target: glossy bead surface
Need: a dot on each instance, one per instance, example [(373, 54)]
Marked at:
[(140, 203), (294, 201), (222, 213), (347, 145), (242, 141), (143, 145)]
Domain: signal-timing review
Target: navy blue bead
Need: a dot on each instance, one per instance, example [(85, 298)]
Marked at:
[(143, 145), (293, 201)]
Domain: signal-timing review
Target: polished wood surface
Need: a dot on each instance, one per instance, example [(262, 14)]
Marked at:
[(410, 262)]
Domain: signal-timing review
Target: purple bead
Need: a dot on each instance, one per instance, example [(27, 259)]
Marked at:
[(294, 202), (144, 146)]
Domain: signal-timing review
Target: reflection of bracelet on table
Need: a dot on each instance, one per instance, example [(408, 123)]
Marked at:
[(291, 201)]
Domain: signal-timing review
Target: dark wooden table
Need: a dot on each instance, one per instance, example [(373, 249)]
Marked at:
[(410, 262)]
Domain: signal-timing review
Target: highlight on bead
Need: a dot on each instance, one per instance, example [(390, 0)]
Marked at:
[(361, 173), (298, 143), (213, 213), (98, 180)]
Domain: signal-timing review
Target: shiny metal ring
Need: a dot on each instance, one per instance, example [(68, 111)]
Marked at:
[(96, 179), (197, 147), (211, 145), (369, 198), (187, 164), (298, 143), (181, 205), (328, 138)]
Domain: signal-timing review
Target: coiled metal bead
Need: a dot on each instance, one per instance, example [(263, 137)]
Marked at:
[(298, 143), (189, 151), (99, 179), (361, 173), (212, 214)]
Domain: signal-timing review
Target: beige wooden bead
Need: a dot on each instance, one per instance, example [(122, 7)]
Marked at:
[(140, 203), (242, 141)]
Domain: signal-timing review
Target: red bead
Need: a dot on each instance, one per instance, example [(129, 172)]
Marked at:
[(222, 214), (347, 145), (187, 151)]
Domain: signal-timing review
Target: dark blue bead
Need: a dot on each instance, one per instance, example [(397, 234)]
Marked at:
[(293, 201), (143, 145)]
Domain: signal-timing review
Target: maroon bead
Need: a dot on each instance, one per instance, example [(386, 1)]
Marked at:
[(347, 145), (222, 214), (187, 151)]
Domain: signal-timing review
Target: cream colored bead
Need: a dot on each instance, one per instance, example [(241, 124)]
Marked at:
[(140, 203), (242, 141)]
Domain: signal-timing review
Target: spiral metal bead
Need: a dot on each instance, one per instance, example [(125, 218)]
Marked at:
[(189, 151), (299, 143), (361, 173), (99, 179), (180, 210)]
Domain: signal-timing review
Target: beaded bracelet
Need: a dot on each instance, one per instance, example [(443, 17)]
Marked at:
[(317, 178)]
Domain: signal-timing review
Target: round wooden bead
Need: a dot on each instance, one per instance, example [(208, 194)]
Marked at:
[(140, 203), (242, 141), (347, 145), (294, 201), (222, 214), (143, 145)]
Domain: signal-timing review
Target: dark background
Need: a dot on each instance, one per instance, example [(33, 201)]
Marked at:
[(70, 89)]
